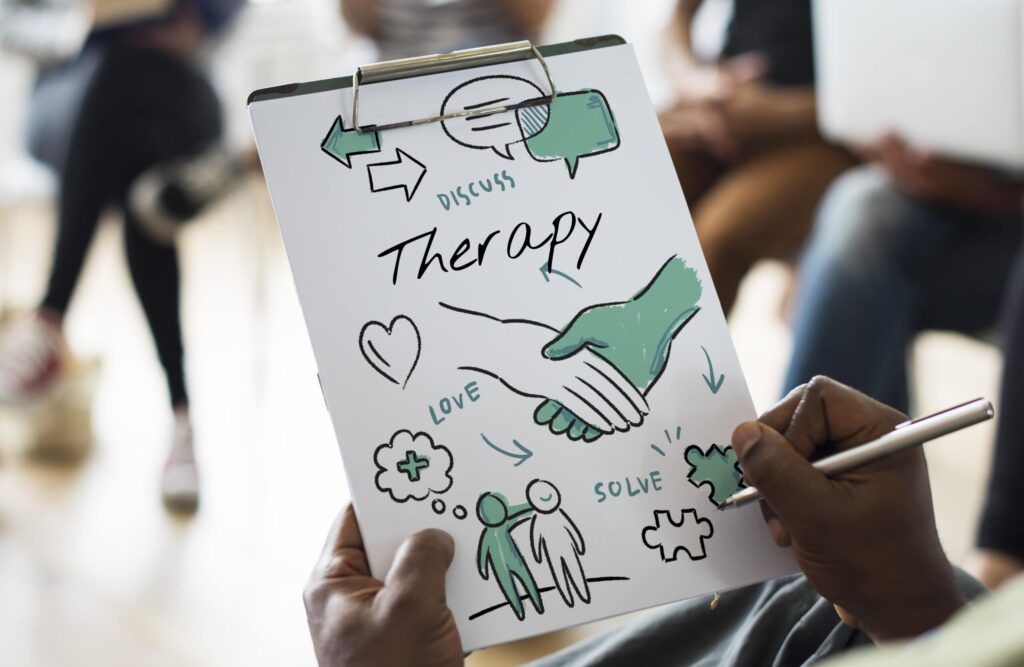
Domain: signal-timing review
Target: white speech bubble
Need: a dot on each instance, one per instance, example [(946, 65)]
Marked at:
[(497, 131)]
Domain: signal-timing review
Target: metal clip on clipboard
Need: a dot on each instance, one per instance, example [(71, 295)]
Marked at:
[(406, 68)]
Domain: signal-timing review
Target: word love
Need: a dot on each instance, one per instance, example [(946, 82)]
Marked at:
[(517, 242), (448, 405), (629, 487)]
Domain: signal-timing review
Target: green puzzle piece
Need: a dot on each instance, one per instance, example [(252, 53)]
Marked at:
[(717, 468)]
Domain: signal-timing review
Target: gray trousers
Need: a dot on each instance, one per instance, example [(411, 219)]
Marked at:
[(779, 623)]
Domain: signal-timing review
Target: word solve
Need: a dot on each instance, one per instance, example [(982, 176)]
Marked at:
[(629, 487)]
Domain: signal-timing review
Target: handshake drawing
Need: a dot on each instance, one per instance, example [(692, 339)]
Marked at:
[(592, 376)]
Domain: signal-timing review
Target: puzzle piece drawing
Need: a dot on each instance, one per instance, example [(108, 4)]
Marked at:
[(670, 537), (717, 468)]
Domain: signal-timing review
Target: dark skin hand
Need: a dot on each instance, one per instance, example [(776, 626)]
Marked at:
[(743, 117), (866, 539), (962, 186), (725, 108), (696, 120), (358, 621)]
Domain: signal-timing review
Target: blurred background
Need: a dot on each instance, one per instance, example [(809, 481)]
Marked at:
[(104, 558)]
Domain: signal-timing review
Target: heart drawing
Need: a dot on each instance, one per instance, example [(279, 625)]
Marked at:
[(392, 350)]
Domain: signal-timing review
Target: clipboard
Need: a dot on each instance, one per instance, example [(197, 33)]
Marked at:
[(517, 336)]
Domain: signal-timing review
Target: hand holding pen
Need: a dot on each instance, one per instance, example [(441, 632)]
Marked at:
[(866, 539)]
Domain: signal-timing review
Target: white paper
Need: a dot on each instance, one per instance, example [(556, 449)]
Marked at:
[(412, 386)]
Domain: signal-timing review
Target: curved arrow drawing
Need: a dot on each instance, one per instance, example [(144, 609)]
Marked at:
[(405, 172), (709, 379), (547, 273), (522, 455)]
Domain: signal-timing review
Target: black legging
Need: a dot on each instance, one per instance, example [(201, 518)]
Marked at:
[(142, 107), (1002, 528)]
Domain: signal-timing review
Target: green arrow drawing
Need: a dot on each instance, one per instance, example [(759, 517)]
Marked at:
[(522, 455), (342, 144), (713, 385)]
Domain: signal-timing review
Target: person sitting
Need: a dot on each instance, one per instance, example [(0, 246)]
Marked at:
[(407, 28), (743, 136), (873, 571), (145, 106), (908, 243)]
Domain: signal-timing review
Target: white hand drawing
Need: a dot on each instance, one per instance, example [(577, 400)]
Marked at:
[(555, 538), (585, 383)]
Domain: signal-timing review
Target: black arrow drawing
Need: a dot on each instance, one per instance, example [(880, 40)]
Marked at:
[(405, 172)]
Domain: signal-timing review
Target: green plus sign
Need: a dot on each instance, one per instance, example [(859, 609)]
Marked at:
[(412, 465)]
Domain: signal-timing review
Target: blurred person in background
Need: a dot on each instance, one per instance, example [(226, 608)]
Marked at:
[(1000, 541), (133, 122), (743, 136), (407, 28), (909, 243)]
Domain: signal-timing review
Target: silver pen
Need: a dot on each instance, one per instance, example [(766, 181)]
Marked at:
[(908, 434)]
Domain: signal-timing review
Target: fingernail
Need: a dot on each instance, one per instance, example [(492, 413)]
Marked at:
[(745, 436)]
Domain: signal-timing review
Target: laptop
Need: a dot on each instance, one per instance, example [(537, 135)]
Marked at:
[(945, 75)]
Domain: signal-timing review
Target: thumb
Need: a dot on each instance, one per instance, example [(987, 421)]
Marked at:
[(788, 482), (419, 568), (571, 340)]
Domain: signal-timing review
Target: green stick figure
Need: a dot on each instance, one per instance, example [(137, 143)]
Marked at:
[(498, 552)]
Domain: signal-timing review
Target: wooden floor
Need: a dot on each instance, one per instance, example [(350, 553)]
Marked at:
[(94, 572)]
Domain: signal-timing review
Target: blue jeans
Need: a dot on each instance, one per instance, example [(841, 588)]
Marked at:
[(882, 266), (1001, 528)]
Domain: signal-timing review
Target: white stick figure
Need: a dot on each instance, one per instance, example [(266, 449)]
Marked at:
[(555, 538)]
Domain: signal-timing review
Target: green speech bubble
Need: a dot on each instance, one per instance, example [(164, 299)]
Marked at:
[(575, 125)]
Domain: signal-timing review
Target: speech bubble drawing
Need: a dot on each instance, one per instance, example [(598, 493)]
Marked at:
[(494, 131), (574, 126), (412, 467)]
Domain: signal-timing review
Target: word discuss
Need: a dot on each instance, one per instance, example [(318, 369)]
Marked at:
[(521, 238), (464, 195)]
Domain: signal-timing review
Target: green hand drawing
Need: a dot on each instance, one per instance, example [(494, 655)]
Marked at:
[(635, 336), (497, 552)]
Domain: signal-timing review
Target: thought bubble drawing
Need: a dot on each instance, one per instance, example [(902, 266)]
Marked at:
[(494, 131), (574, 126), (412, 467)]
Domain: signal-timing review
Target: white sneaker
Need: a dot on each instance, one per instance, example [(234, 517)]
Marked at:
[(179, 481), (32, 359)]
